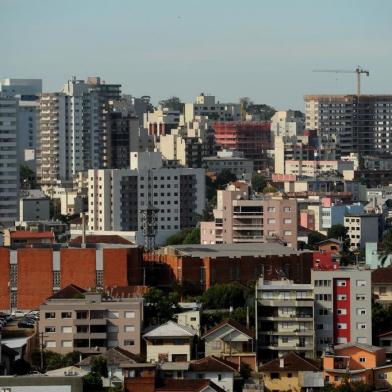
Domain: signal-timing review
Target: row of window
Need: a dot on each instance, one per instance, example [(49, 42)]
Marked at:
[(69, 343), (83, 314), (84, 329)]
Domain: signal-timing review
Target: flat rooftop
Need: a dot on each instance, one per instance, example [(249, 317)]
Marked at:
[(231, 250)]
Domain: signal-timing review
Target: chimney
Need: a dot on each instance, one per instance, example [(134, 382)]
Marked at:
[(281, 363)]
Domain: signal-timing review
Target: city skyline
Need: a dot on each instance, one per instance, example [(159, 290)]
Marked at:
[(183, 50)]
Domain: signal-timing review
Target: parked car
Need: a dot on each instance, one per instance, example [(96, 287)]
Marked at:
[(18, 313), (25, 324)]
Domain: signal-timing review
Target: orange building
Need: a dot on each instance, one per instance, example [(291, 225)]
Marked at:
[(353, 360), (205, 265), (30, 275)]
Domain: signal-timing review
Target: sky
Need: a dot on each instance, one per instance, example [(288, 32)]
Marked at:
[(262, 49)]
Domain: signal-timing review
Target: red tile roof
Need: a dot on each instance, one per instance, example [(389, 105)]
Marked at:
[(127, 291), (101, 239), (291, 362), (69, 292), (233, 324), (212, 364), (183, 385), (382, 275), (25, 234)]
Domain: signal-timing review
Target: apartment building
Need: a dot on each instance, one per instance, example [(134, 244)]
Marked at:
[(359, 123), (252, 138), (74, 319), (162, 120), (363, 228), (285, 318), (342, 307), (34, 205), (9, 163), (237, 218), (70, 129), (288, 123), (207, 105), (123, 134), (317, 167), (230, 160), (117, 197)]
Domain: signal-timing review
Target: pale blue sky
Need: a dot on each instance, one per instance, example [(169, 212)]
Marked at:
[(262, 49)]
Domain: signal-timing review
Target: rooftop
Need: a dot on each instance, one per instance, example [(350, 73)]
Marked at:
[(365, 347), (291, 362), (212, 364), (382, 275), (234, 324), (25, 234), (232, 250), (113, 356), (69, 292), (170, 329), (101, 239)]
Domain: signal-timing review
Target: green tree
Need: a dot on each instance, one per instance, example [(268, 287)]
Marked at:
[(386, 247), (160, 306), (258, 182), (224, 177), (265, 111), (21, 367), (71, 359), (337, 231), (314, 238), (269, 189), (99, 366), (381, 319), (193, 236), (173, 103), (222, 296), (92, 382)]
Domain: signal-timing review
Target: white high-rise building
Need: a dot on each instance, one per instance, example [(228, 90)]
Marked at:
[(117, 196), (9, 165), (71, 135), (12, 87)]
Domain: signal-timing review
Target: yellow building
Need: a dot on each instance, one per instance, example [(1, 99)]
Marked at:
[(292, 373), (382, 377)]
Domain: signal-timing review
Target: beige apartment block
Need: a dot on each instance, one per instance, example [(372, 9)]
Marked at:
[(77, 320), (239, 219)]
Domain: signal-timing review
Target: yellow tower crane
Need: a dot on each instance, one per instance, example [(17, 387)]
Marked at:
[(357, 70)]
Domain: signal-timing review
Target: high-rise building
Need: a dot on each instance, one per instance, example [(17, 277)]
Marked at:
[(123, 134), (285, 318), (238, 218), (70, 132), (206, 105), (27, 91), (9, 163), (117, 197), (358, 123), (343, 306), (288, 123), (251, 138)]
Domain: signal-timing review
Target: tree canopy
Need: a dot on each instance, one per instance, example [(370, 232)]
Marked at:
[(337, 231), (185, 236), (258, 182), (160, 306), (222, 296), (172, 103), (386, 247)]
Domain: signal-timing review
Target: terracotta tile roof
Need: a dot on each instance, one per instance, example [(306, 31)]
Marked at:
[(212, 364), (25, 234), (69, 292), (293, 362), (233, 324), (101, 239), (385, 334), (362, 346), (382, 275), (113, 356), (127, 291), (178, 385)]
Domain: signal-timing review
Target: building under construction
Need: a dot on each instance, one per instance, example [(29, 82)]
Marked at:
[(251, 138)]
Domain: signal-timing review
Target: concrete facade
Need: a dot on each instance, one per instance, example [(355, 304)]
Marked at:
[(342, 307), (9, 162), (239, 219), (285, 318), (91, 322), (117, 196)]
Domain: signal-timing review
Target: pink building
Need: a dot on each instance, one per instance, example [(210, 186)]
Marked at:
[(239, 219)]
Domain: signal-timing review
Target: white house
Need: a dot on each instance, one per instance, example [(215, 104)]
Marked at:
[(169, 342)]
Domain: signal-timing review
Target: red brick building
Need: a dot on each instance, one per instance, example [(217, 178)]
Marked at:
[(250, 137), (30, 275), (206, 265)]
